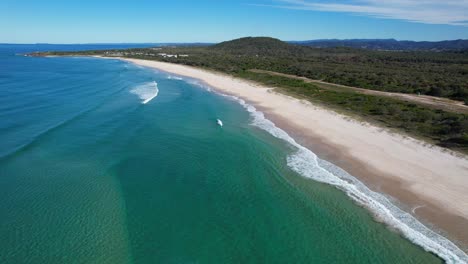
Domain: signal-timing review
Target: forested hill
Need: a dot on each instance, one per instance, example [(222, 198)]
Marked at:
[(258, 46), (388, 44)]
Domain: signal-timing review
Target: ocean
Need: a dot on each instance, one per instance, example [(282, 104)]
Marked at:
[(103, 161)]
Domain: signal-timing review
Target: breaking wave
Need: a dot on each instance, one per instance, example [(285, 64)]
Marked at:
[(306, 163), (171, 77), (146, 92)]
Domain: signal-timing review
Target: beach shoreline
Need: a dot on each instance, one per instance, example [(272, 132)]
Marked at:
[(425, 180)]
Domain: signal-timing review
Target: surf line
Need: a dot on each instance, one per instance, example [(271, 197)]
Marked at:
[(154, 95)]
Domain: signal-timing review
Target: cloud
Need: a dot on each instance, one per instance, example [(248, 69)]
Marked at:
[(450, 12)]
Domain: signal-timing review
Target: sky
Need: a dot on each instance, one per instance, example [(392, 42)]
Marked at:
[(159, 21)]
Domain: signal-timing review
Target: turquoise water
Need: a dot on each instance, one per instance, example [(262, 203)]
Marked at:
[(90, 174)]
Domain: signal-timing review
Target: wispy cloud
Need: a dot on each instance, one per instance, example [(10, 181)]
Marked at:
[(451, 12)]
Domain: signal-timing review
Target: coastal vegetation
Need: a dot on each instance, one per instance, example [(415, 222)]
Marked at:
[(443, 128), (441, 74)]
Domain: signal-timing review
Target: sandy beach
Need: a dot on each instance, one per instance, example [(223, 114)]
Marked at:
[(427, 181)]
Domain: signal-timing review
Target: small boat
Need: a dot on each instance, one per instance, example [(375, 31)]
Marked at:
[(220, 123), (155, 83)]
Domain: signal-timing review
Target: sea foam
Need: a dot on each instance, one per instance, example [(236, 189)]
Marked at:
[(306, 163), (172, 77), (146, 92)]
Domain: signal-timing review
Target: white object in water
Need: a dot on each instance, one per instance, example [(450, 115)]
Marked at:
[(220, 123)]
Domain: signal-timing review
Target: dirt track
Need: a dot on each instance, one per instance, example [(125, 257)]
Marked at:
[(430, 101)]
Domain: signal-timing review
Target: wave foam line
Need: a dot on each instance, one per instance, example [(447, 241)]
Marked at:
[(151, 97), (172, 77), (146, 92), (307, 164)]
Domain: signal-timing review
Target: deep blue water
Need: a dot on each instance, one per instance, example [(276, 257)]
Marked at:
[(8, 49)]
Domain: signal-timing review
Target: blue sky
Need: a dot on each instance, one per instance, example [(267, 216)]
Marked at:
[(136, 21)]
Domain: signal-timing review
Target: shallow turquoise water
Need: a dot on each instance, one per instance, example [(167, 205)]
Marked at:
[(90, 174)]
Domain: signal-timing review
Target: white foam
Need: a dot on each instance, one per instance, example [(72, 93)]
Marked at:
[(306, 163), (200, 84), (146, 92), (171, 77)]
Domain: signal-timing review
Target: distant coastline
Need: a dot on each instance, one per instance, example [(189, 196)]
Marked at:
[(420, 94), (427, 180), (371, 44), (388, 44)]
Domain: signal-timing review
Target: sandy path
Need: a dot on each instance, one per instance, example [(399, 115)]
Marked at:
[(430, 101)]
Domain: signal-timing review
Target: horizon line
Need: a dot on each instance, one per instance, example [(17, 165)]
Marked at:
[(207, 43)]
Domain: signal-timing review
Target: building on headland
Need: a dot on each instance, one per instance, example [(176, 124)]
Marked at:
[(165, 55)]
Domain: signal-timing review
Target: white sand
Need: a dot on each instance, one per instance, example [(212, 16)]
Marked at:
[(429, 172)]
